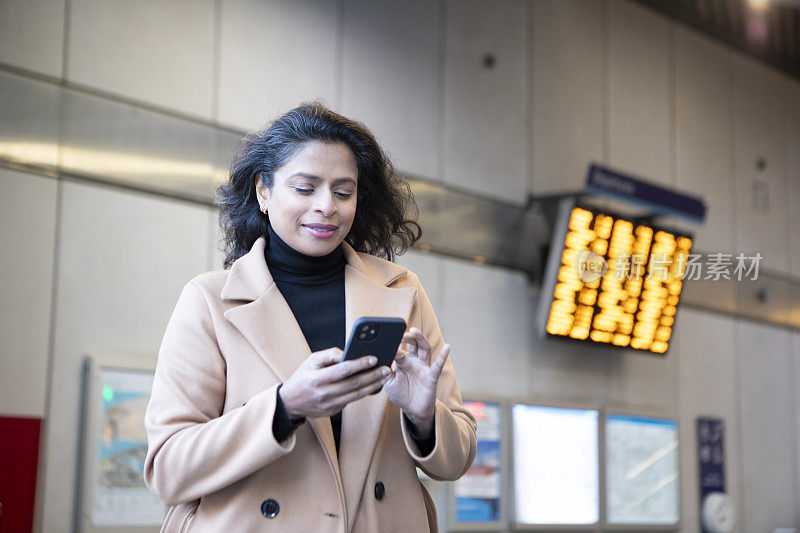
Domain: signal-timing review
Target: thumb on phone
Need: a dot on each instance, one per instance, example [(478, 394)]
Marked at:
[(327, 357)]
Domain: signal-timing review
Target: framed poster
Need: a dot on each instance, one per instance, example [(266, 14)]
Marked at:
[(113, 494), (478, 497), (642, 470), (556, 469)]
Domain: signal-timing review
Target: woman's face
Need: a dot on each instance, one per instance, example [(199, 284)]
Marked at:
[(312, 202)]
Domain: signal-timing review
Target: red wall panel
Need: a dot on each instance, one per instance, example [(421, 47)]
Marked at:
[(19, 459)]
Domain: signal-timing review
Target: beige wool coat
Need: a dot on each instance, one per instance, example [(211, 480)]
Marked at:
[(212, 457)]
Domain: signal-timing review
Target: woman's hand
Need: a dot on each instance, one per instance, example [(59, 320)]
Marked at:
[(412, 386), (322, 386)]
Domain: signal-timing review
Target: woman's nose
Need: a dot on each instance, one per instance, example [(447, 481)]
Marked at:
[(324, 204)]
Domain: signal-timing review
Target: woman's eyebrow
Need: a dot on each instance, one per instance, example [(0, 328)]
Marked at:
[(314, 177)]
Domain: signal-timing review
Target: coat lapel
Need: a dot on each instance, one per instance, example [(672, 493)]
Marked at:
[(269, 325), (362, 420), (267, 322)]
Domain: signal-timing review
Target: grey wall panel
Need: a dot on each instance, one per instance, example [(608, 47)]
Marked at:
[(704, 133), (643, 379), (428, 268), (27, 241), (216, 255), (123, 259), (568, 92), (769, 446), (640, 91), (29, 123), (391, 77), (566, 370), (705, 346), (796, 342), (762, 212), (274, 55), (139, 147), (226, 144), (32, 35), (157, 51), (793, 173), (486, 313), (485, 107)]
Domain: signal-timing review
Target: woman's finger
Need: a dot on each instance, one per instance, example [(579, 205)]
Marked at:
[(423, 346), (339, 392), (401, 354), (438, 365), (411, 344), (366, 389), (420, 337), (401, 359), (325, 358), (345, 369)]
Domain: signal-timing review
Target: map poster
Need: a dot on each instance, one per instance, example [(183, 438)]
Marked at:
[(642, 470), (479, 492), (120, 496)]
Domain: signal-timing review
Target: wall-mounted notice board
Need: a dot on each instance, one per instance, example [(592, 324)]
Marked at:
[(113, 492)]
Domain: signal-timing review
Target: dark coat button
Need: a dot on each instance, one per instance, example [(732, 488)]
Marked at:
[(270, 508), (380, 491)]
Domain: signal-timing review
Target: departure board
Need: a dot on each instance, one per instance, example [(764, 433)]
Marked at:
[(618, 282)]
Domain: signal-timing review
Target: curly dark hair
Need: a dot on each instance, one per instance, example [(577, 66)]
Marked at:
[(380, 226)]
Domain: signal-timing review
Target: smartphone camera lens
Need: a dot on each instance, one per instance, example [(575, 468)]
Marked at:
[(368, 331)]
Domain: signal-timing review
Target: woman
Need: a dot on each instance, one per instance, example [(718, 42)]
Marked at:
[(253, 423)]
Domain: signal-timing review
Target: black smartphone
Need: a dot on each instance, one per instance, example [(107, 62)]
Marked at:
[(378, 336)]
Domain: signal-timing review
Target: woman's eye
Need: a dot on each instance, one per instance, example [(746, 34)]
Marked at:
[(343, 194), (301, 190)]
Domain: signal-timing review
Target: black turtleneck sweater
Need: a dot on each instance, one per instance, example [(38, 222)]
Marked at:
[(314, 289)]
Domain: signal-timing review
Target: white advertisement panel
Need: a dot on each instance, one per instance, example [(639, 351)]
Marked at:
[(555, 465)]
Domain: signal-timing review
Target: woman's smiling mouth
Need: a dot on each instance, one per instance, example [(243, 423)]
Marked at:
[(320, 231)]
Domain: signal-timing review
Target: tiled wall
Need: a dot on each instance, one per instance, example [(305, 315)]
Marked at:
[(122, 259)]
